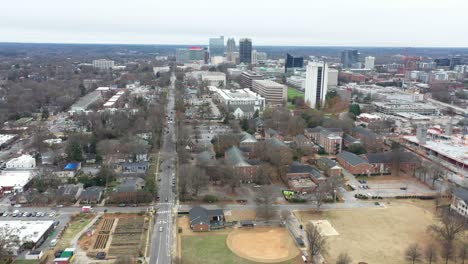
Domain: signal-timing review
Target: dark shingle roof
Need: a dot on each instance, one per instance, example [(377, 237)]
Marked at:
[(328, 162), (200, 215), (387, 157), (296, 167), (461, 193), (91, 193), (352, 158)]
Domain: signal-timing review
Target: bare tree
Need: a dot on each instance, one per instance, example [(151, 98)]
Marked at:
[(450, 226), (264, 198), (8, 240), (413, 253), (285, 214), (436, 173), (344, 258), (319, 194), (448, 251), (318, 244), (463, 252), (431, 253)]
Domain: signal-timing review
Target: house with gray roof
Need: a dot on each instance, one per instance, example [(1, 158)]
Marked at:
[(239, 162), (131, 184), (70, 192), (91, 195), (302, 177), (202, 219)]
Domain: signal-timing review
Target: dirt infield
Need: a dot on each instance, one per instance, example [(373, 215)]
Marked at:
[(266, 245)]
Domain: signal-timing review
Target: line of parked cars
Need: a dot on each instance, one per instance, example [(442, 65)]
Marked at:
[(17, 213)]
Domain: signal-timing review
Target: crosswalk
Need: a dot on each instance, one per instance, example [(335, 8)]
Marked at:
[(164, 212)]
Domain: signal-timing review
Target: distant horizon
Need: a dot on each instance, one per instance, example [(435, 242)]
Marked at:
[(262, 45)]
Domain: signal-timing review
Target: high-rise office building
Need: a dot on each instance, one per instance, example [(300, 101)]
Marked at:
[(217, 46), (245, 51), (293, 62), (349, 57), (316, 84), (369, 62), (230, 49), (254, 57)]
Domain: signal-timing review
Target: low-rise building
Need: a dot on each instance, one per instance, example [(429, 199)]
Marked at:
[(235, 158), (30, 234), (392, 108), (214, 78), (302, 177), (131, 184), (91, 195), (353, 163), (274, 93), (202, 219), (330, 167), (21, 163), (460, 201)]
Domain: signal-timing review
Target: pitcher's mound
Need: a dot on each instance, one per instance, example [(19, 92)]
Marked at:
[(262, 244)]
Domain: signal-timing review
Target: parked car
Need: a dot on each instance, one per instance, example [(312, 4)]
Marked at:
[(101, 255)]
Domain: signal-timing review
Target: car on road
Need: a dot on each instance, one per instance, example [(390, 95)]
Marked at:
[(160, 229), (166, 199), (60, 206), (17, 205), (122, 205), (101, 255), (52, 214), (5, 214), (53, 243)]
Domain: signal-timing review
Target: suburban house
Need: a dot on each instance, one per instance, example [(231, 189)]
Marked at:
[(460, 201), (330, 167), (70, 192), (134, 167), (271, 133), (354, 163), (202, 219), (91, 195), (131, 184), (302, 177), (241, 164)]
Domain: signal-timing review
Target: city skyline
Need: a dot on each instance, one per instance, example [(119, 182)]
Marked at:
[(52, 21)]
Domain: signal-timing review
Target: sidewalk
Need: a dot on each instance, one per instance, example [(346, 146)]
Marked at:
[(80, 255)]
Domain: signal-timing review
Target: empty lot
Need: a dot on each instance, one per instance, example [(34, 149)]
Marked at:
[(376, 235)]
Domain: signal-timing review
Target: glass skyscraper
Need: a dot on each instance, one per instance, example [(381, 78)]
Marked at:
[(217, 46), (245, 51)]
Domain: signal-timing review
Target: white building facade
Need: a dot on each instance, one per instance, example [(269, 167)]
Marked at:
[(316, 84), (22, 162)]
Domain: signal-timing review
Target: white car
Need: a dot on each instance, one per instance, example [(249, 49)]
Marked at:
[(52, 214), (17, 205)]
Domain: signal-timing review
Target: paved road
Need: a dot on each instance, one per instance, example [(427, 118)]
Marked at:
[(162, 237)]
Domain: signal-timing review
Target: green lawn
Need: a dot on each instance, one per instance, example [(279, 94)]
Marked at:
[(25, 261), (73, 229), (292, 92), (211, 249)]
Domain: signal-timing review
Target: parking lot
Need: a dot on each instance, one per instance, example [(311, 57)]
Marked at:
[(392, 186)]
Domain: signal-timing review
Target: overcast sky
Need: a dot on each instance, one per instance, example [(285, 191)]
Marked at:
[(412, 23)]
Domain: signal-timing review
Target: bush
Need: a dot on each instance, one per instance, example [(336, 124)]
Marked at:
[(210, 198), (297, 200)]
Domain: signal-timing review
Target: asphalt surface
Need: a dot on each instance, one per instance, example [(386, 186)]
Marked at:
[(162, 237)]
